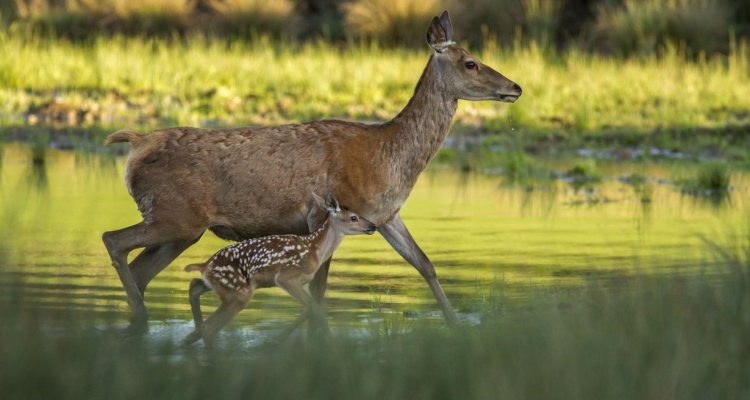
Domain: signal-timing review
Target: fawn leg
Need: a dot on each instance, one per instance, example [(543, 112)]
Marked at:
[(320, 281), (394, 231), (291, 328), (230, 306), (121, 242), (197, 288), (318, 286), (302, 294)]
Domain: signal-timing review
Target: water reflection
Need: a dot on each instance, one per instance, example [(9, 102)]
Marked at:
[(38, 176)]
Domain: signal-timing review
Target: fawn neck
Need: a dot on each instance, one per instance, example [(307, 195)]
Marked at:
[(423, 124), (324, 240)]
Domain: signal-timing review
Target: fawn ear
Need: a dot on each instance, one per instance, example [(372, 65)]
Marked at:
[(332, 204), (440, 32)]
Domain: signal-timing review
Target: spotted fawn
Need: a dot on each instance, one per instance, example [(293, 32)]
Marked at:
[(286, 261)]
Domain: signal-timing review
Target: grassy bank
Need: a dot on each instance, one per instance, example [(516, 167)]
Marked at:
[(660, 338), (142, 82)]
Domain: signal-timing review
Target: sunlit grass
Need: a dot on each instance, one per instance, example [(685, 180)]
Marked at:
[(119, 82)]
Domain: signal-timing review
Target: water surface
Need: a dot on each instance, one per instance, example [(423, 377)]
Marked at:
[(482, 234)]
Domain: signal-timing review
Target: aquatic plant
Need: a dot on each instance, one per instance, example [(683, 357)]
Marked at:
[(712, 178)]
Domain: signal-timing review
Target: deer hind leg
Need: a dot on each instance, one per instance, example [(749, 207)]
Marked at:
[(230, 306), (197, 288), (150, 235), (154, 259)]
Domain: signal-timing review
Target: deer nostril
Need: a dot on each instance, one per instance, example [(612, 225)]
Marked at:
[(518, 88)]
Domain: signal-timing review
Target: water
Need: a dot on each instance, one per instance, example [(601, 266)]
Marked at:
[(483, 236)]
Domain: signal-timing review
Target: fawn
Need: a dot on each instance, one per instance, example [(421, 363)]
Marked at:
[(286, 261)]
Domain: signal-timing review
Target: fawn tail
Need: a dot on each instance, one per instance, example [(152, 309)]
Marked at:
[(196, 267)]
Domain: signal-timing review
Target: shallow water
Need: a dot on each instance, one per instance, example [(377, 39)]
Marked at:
[(483, 236)]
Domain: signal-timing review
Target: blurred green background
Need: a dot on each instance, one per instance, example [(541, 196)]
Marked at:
[(593, 236)]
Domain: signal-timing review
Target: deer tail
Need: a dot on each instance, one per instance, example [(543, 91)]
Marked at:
[(123, 136), (196, 267)]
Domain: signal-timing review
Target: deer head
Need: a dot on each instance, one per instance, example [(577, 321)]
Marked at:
[(342, 219), (464, 76)]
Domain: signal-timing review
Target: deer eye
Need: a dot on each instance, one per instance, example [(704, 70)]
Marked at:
[(353, 218), (470, 65)]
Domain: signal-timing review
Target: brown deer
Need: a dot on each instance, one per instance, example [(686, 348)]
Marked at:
[(249, 182), (286, 261)]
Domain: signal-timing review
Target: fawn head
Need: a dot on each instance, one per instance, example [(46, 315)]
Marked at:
[(346, 221), (464, 75)]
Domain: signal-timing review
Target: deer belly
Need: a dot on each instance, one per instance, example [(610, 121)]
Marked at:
[(242, 230)]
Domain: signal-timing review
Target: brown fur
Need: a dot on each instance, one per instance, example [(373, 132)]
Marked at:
[(249, 182)]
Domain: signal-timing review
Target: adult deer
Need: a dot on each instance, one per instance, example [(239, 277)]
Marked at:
[(256, 181)]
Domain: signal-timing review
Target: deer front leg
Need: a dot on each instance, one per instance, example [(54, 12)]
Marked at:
[(395, 233)]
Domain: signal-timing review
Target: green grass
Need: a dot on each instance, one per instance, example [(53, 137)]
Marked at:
[(710, 178), (117, 82), (647, 338), (714, 177), (710, 182)]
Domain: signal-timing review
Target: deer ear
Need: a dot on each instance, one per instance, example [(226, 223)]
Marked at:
[(440, 32), (319, 201), (445, 22)]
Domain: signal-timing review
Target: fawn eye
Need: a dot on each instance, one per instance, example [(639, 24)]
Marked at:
[(354, 218), (471, 65)]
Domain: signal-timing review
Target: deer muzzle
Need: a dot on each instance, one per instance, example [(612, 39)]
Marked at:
[(511, 97)]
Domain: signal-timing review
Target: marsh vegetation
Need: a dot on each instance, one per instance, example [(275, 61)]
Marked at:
[(593, 236)]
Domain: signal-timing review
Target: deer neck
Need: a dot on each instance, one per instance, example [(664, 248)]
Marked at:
[(325, 240), (422, 126)]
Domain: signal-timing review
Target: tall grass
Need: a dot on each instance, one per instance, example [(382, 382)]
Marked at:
[(126, 81), (277, 17), (668, 338), (78, 18), (711, 182), (643, 27), (391, 21), (85, 18), (624, 27)]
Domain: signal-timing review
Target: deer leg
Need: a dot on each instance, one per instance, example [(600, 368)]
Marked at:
[(304, 315), (229, 307), (319, 283), (152, 260), (303, 295), (121, 242), (395, 233), (318, 286), (197, 288)]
